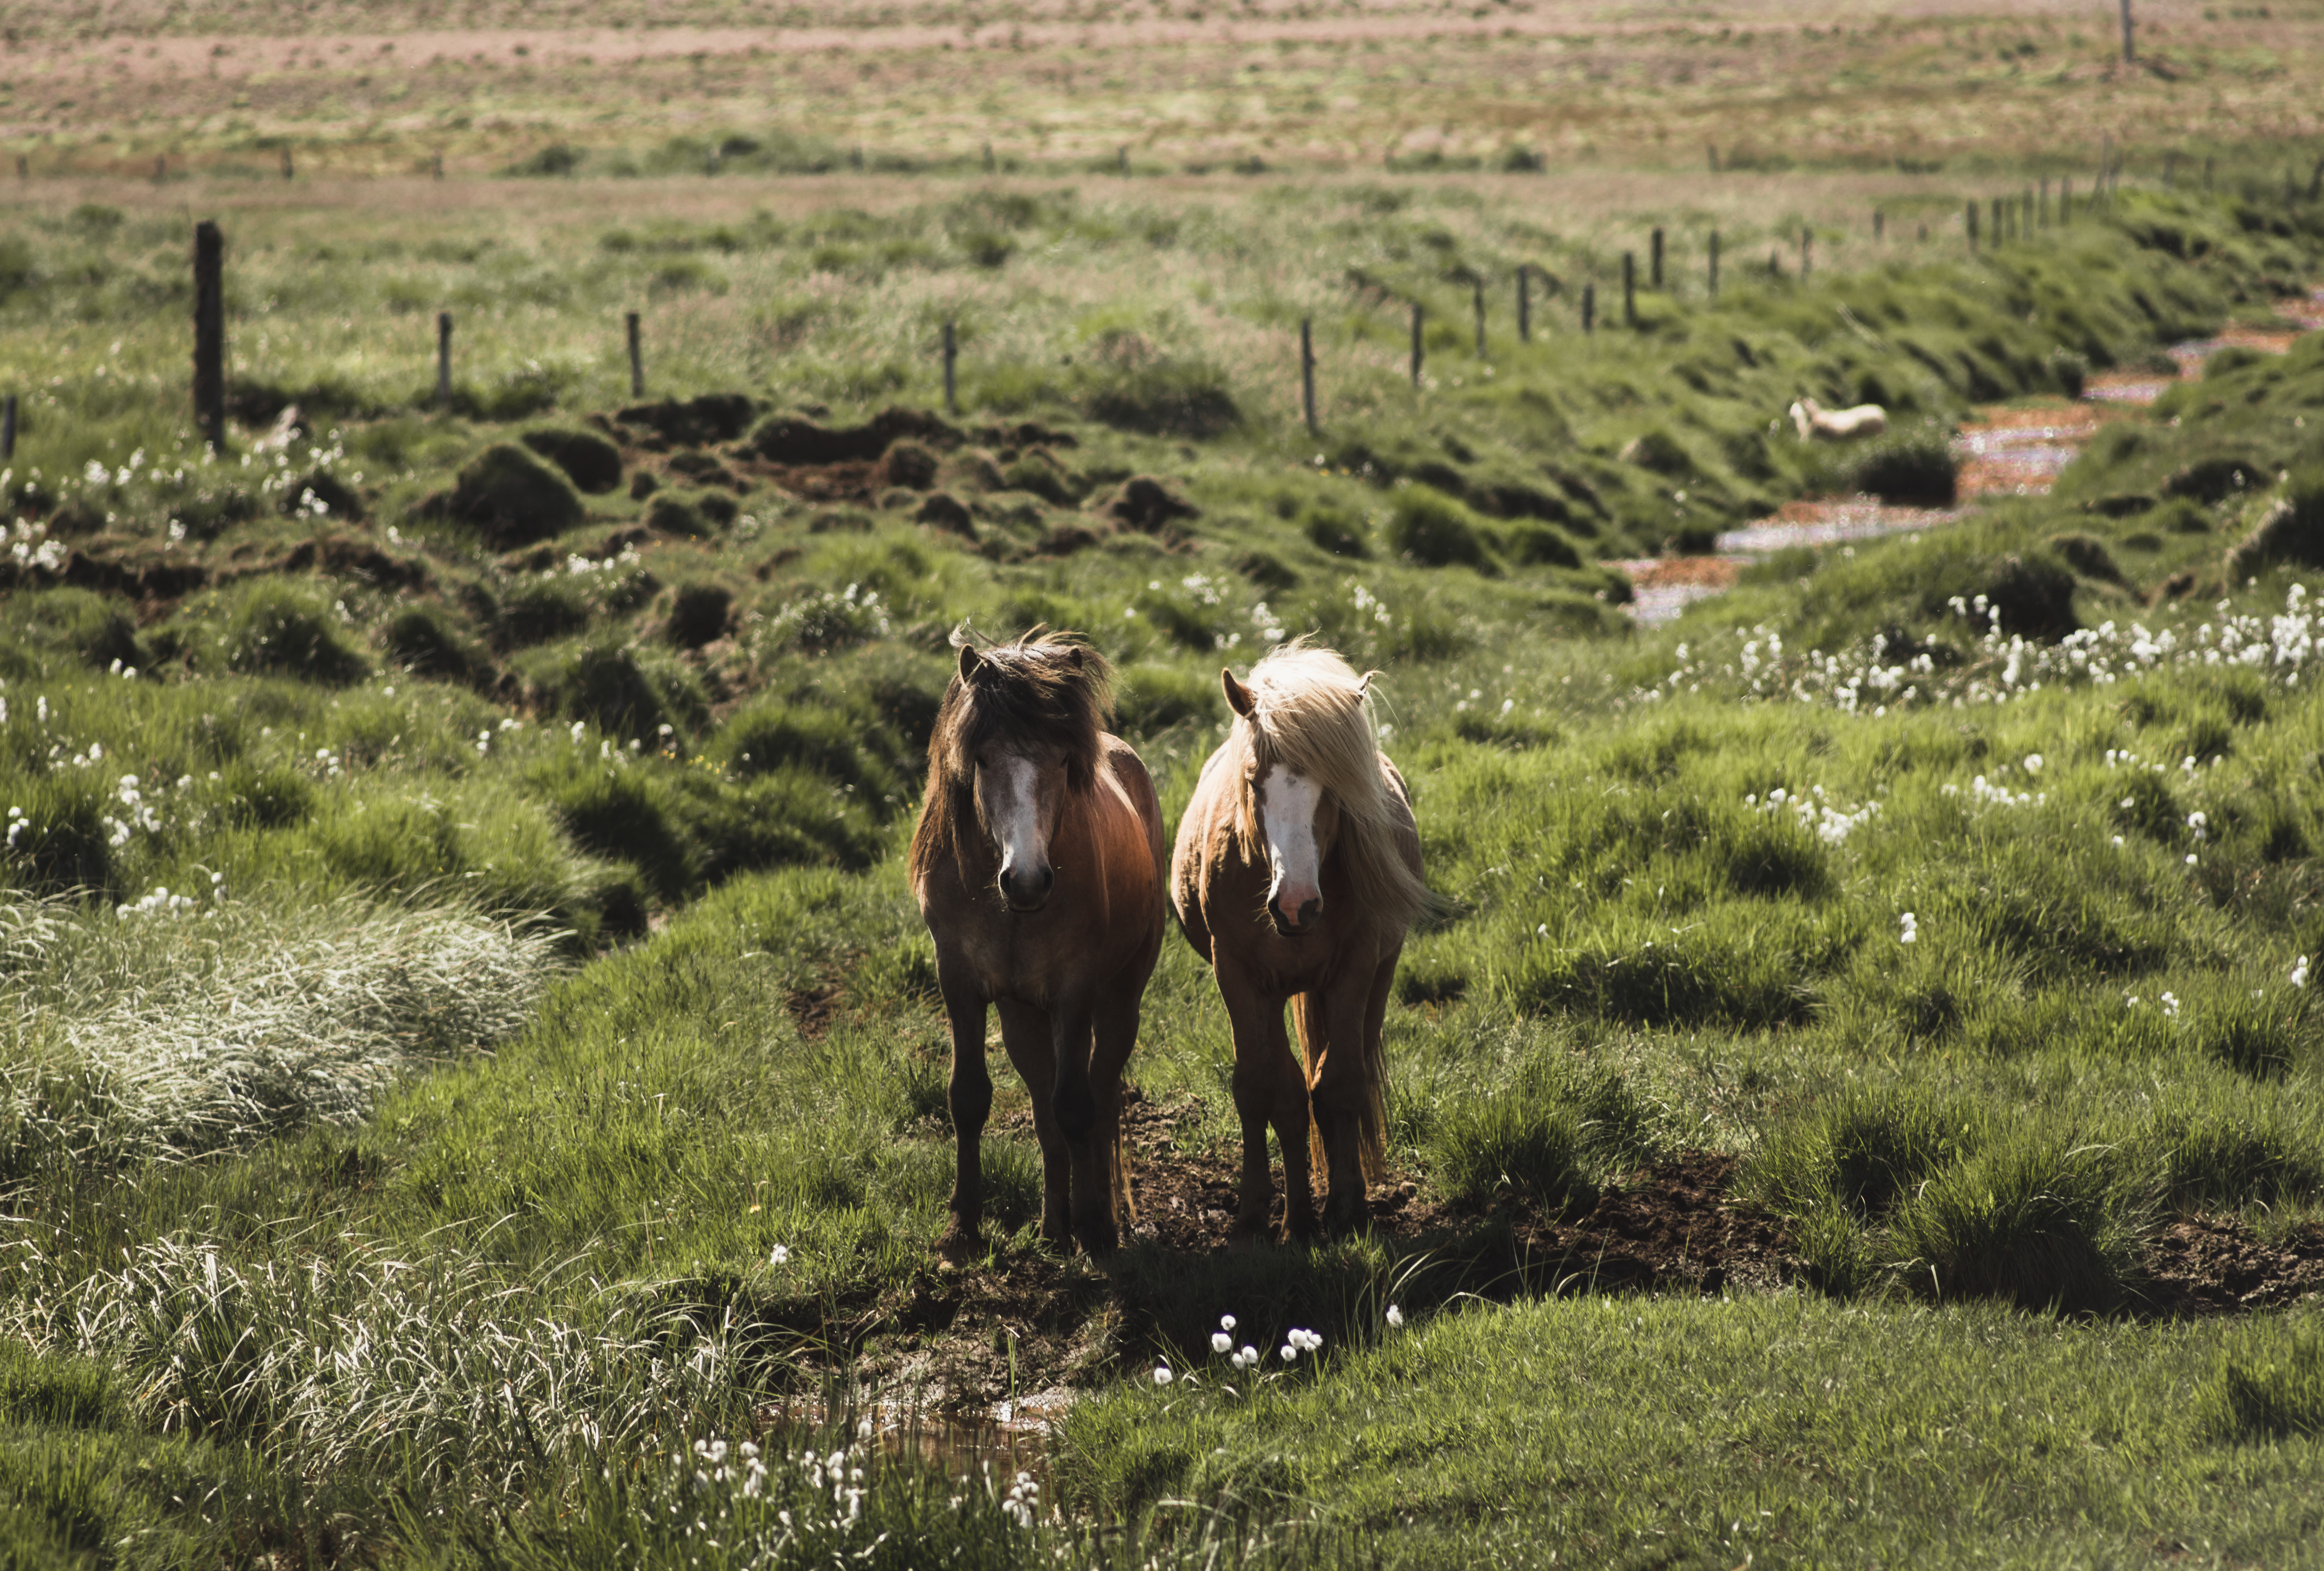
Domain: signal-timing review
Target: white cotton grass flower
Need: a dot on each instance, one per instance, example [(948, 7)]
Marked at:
[(1162, 1375), (2300, 973), (1395, 1316), (2032, 763), (779, 1255), (1226, 1322), (1221, 1342), (1909, 929)]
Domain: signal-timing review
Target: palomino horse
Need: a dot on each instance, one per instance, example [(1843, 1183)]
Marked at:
[(1296, 873), (1038, 865)]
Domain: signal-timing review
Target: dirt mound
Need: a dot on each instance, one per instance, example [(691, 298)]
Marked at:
[(1146, 504), (590, 462), (144, 573), (342, 557), (693, 422), (509, 496), (793, 441), (943, 510), (2217, 1265)]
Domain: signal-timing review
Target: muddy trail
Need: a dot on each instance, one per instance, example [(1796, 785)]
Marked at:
[(975, 1363), (2005, 450)]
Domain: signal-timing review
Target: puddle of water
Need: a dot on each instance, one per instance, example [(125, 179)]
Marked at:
[(2003, 451), (1009, 1436), (1662, 586)]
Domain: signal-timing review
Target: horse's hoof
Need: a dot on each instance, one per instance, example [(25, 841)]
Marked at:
[(958, 1246)]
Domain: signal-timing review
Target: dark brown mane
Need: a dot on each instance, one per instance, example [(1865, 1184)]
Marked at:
[(1046, 690)]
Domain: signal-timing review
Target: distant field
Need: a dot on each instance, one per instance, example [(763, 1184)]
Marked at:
[(1305, 86)]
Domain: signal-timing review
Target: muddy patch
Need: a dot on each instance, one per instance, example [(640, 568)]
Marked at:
[(2217, 1265)]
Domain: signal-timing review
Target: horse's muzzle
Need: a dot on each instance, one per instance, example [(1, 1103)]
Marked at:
[(1026, 893), (1310, 911)]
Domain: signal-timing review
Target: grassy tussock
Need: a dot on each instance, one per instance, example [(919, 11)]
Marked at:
[(181, 1031)]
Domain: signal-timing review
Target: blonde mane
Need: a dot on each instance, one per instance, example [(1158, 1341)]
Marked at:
[(1311, 712)]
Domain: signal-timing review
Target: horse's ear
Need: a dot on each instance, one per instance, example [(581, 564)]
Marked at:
[(969, 661), (1238, 696), (1074, 657)]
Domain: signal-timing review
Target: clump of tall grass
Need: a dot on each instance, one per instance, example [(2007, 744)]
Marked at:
[(339, 1357), (178, 1025)]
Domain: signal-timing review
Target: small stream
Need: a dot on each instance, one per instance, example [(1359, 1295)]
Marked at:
[(2006, 450)]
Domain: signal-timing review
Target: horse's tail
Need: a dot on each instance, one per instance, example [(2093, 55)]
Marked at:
[(1125, 1203), (1371, 1106)]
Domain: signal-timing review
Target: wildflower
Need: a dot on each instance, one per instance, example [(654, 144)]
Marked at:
[(1221, 1342), (2171, 1006), (1911, 925), (2190, 858), (1162, 1375), (2300, 973), (2032, 763), (1226, 1322), (1395, 1316), (780, 1256)]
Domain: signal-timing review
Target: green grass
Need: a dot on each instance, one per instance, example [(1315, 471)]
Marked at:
[(467, 1037)]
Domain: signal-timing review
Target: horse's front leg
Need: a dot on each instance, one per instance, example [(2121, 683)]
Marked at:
[(1026, 1030), (970, 1093), (1268, 1088)]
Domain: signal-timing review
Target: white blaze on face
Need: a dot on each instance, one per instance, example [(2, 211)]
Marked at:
[(1013, 813), (1286, 816)]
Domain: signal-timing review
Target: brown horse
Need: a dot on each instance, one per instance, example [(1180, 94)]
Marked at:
[(1297, 874), (1038, 865)]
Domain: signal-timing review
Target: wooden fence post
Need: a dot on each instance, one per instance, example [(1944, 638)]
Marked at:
[(2316, 181), (1477, 290), (1714, 264), (2000, 233), (161, 168), (443, 360), (2169, 169), (209, 334), (1712, 149), (637, 359), (951, 370), (2065, 200), (286, 163), (2045, 201), (1629, 289), (7, 428), (1307, 371), (1807, 254), (1524, 299), (988, 158), (1655, 259), (1121, 161), (436, 166), (1879, 226), (1972, 226), (1590, 307), (1416, 351)]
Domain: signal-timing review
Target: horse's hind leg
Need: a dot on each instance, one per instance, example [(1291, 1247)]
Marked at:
[(1025, 1031), (1101, 1188), (970, 1095), (1351, 1013)]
